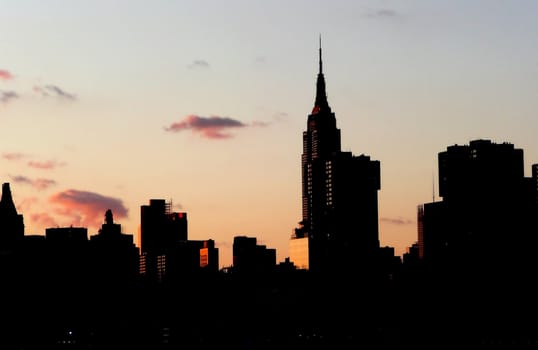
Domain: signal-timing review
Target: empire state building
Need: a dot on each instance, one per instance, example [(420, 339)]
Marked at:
[(339, 227)]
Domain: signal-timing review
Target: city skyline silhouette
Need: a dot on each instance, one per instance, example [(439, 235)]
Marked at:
[(397, 191), (403, 80), (101, 291), (480, 236)]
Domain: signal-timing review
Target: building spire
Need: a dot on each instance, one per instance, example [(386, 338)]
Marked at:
[(320, 62), (321, 104), (6, 202)]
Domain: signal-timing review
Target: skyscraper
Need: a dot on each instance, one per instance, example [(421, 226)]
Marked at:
[(160, 227), (11, 223), (160, 231), (486, 222), (339, 194)]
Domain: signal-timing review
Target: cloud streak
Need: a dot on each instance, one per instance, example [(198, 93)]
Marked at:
[(214, 127), (39, 184), (13, 156), (5, 75), (54, 91), (198, 64), (8, 96), (397, 221), (36, 164), (381, 13), (46, 165), (84, 208)]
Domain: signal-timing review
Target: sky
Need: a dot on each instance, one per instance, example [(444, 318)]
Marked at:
[(108, 104)]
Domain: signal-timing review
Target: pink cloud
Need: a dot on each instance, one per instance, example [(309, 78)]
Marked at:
[(5, 75), (26, 204), (13, 156), (43, 220), (208, 127), (83, 208), (49, 164)]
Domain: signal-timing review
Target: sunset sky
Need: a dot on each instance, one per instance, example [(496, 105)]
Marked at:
[(108, 104)]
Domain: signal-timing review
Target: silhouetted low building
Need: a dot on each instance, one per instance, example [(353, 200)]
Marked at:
[(249, 258), (68, 257), (114, 256)]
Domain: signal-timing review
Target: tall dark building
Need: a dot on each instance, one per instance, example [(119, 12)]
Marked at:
[(160, 231), (160, 227), (339, 194), (11, 242), (487, 222), (11, 223)]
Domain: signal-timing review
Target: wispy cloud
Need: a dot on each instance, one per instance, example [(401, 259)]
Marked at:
[(5, 75), (39, 184), (259, 123), (397, 221), (13, 156), (46, 165), (84, 208), (280, 116), (381, 13), (19, 179), (42, 184), (54, 91), (259, 61), (209, 127), (37, 164), (198, 64), (8, 96)]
